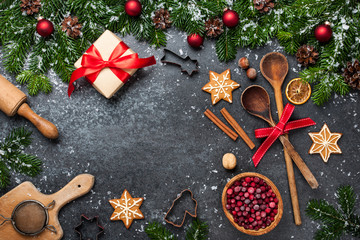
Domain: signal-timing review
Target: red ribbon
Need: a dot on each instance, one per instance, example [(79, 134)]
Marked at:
[(281, 128), (92, 64)]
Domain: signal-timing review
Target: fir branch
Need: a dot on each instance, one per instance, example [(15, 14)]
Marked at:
[(12, 156), (225, 46), (156, 231), (198, 231), (36, 82), (336, 222)]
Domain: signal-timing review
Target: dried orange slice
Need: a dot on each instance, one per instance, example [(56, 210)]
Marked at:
[(297, 91)]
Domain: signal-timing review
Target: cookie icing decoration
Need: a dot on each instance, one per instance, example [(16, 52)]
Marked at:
[(126, 209), (220, 86), (325, 143)]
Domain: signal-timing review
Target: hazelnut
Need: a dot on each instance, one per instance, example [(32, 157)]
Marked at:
[(244, 63), (229, 161), (251, 73)]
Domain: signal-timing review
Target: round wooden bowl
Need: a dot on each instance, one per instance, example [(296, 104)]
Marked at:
[(278, 216)]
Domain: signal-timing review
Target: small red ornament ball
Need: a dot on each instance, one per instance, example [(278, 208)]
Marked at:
[(323, 33), (230, 18), (133, 8), (44, 28), (195, 40)]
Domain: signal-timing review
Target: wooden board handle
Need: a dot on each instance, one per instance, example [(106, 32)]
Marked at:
[(300, 163), (77, 187), (46, 128)]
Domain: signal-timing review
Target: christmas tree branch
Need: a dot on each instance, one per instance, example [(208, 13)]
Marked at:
[(12, 156), (336, 222)]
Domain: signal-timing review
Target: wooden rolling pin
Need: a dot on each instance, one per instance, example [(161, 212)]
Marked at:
[(13, 101)]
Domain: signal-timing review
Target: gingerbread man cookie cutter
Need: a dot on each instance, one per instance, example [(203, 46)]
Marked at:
[(186, 211)]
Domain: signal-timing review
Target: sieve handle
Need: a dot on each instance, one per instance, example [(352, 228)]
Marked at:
[(77, 187), (5, 220)]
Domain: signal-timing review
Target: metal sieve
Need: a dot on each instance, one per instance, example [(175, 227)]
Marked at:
[(30, 217)]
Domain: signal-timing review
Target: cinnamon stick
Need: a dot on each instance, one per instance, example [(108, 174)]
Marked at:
[(221, 125), (237, 128)]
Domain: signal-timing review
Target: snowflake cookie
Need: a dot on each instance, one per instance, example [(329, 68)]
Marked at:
[(126, 209), (220, 86), (325, 143)]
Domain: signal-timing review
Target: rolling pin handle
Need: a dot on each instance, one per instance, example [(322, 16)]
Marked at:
[(46, 128)]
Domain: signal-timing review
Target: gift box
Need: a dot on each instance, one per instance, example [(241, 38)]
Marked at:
[(108, 64)]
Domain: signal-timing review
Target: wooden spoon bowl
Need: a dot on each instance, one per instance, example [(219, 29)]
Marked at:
[(277, 217)]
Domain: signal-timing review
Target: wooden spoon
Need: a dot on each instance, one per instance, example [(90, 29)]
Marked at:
[(256, 101), (274, 67)]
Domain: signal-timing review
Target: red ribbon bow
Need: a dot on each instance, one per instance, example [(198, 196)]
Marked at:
[(281, 128), (92, 64)]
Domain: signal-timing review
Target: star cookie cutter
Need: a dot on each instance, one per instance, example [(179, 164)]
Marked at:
[(95, 219), (181, 63), (186, 211)]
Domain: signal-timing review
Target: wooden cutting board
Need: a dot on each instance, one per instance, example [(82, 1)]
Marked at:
[(79, 186)]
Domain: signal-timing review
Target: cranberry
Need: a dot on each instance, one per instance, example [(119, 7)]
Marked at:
[(244, 189), (242, 208), (247, 209), (237, 189), (244, 184), (247, 201), (251, 190), (276, 200), (258, 190), (268, 210), (272, 204), (232, 205), (239, 214), (255, 202), (232, 200), (251, 197), (241, 194), (228, 207), (262, 188), (263, 214), (237, 198), (262, 206), (256, 179), (251, 219), (256, 207), (252, 184), (258, 213), (239, 204), (234, 213), (246, 194), (229, 191), (247, 179), (275, 211), (245, 214), (254, 223), (258, 195)]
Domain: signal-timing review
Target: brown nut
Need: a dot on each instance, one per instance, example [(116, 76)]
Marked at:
[(251, 73), (229, 161), (244, 63)]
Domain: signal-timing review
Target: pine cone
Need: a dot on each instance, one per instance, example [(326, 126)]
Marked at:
[(71, 26), (30, 6), (162, 19), (352, 74), (214, 27), (263, 5), (307, 55)]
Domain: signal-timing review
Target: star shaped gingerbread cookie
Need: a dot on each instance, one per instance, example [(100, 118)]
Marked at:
[(220, 86), (325, 143), (126, 209)]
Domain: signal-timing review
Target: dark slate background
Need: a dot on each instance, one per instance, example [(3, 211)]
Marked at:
[(152, 139)]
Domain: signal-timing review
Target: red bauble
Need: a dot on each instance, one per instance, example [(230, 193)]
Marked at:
[(44, 28), (195, 40), (323, 32), (230, 18), (133, 8)]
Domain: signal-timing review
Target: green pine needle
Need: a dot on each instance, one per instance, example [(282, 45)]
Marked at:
[(36, 82), (291, 21), (156, 231), (336, 222), (197, 231), (12, 156)]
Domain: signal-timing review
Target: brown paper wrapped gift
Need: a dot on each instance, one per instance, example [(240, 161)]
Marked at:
[(107, 83)]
